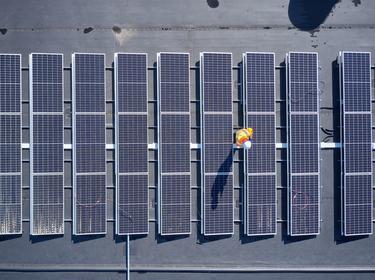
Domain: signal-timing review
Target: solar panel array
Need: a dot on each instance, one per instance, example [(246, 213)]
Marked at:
[(260, 184), (304, 144), (46, 144), (131, 144), (357, 138), (89, 149), (174, 143), (10, 144), (217, 141)]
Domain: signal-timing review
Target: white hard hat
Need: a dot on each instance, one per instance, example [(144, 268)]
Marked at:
[(247, 145)]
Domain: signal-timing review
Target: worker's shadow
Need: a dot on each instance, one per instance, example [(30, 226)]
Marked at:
[(221, 180)]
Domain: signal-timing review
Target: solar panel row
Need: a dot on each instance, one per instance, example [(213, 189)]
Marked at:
[(217, 140), (304, 144), (47, 138), (260, 183), (131, 144), (46, 144), (357, 194), (89, 158), (174, 143), (10, 144)]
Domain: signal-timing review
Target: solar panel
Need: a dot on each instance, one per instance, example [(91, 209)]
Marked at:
[(260, 185), (131, 143), (46, 144), (10, 144), (89, 157), (217, 140), (357, 194), (174, 143), (303, 144)]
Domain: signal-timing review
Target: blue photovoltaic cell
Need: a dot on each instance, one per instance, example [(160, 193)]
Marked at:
[(132, 144), (48, 204), (175, 209), (175, 147), (218, 204), (217, 97), (305, 204), (89, 87), (10, 144), (131, 82), (218, 158), (261, 204), (47, 144), (174, 143), (357, 143), (260, 187), (89, 151), (47, 80), (304, 144), (260, 82), (10, 204), (132, 204), (91, 205), (303, 83), (217, 141)]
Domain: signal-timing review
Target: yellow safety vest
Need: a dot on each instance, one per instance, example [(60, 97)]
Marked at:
[(243, 135)]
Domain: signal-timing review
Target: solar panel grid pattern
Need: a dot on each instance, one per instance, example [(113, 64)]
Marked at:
[(90, 204), (217, 131), (10, 144), (304, 144), (260, 115), (132, 144), (174, 145), (47, 144), (357, 148)]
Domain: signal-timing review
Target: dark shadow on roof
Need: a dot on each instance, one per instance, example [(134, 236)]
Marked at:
[(308, 15)]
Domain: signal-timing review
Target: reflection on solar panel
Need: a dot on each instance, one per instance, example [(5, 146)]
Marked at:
[(89, 159), (174, 143), (217, 140), (357, 194), (10, 144), (260, 186), (131, 144), (304, 144), (46, 144)]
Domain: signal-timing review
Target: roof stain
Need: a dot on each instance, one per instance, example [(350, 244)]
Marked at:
[(116, 29), (88, 30), (213, 3), (356, 2), (3, 31), (312, 32)]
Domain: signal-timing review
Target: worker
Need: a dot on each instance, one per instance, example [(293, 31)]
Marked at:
[(243, 138)]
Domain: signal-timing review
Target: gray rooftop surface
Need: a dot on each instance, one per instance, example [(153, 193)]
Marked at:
[(192, 26)]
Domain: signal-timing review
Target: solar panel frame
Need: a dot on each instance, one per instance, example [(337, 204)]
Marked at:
[(60, 229), (291, 111), (246, 204), (160, 173), (117, 143), (343, 135), (19, 174), (204, 230), (75, 174)]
